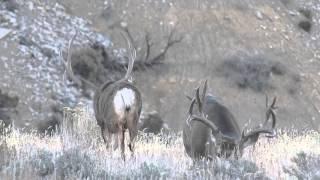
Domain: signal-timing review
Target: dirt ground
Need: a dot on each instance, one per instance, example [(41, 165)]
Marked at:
[(246, 49)]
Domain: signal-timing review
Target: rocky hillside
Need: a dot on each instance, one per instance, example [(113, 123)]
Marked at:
[(246, 49)]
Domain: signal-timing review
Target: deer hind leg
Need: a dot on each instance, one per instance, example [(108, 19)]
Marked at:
[(116, 141), (122, 131), (106, 136), (133, 131)]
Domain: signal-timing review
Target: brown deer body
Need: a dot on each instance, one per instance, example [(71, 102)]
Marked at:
[(199, 135), (117, 104), (117, 107), (216, 132)]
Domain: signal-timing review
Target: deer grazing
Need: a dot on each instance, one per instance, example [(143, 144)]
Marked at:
[(117, 104), (216, 132)]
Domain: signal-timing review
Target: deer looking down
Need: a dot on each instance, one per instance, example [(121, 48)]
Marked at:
[(117, 104), (216, 132)]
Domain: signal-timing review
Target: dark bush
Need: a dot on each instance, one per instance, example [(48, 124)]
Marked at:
[(250, 72), (305, 25)]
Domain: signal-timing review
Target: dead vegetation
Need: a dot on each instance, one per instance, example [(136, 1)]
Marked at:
[(82, 156), (8, 106), (305, 166), (254, 72)]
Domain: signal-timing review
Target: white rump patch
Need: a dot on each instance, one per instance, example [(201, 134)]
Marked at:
[(123, 98)]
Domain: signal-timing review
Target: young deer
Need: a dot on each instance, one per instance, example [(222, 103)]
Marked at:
[(225, 137), (117, 104)]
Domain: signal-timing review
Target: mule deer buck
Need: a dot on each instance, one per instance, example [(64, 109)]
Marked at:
[(117, 104), (216, 132)]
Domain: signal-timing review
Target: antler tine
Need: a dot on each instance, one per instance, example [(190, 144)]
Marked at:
[(69, 70), (270, 111), (252, 136), (188, 97), (131, 50), (68, 66), (274, 102), (198, 100), (267, 99), (215, 130), (257, 132), (191, 107), (204, 90)]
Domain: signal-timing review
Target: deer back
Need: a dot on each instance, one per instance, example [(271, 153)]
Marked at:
[(221, 117)]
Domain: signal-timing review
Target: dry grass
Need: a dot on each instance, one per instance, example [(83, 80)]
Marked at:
[(80, 154)]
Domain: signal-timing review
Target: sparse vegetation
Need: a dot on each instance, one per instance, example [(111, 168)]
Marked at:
[(257, 47), (251, 72), (83, 156), (7, 107), (306, 166)]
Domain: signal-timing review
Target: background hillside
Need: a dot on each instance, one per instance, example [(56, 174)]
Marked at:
[(246, 49)]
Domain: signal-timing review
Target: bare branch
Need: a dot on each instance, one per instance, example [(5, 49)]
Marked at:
[(148, 47), (170, 43)]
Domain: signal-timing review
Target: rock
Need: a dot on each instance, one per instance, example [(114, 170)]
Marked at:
[(4, 32), (259, 15)]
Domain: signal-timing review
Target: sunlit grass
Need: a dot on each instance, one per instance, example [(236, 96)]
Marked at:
[(78, 152), (273, 154)]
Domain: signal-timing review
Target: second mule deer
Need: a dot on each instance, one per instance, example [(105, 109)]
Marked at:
[(216, 132), (117, 104)]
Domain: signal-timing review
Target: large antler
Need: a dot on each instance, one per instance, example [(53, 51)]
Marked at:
[(68, 66), (252, 137), (202, 118), (132, 53)]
